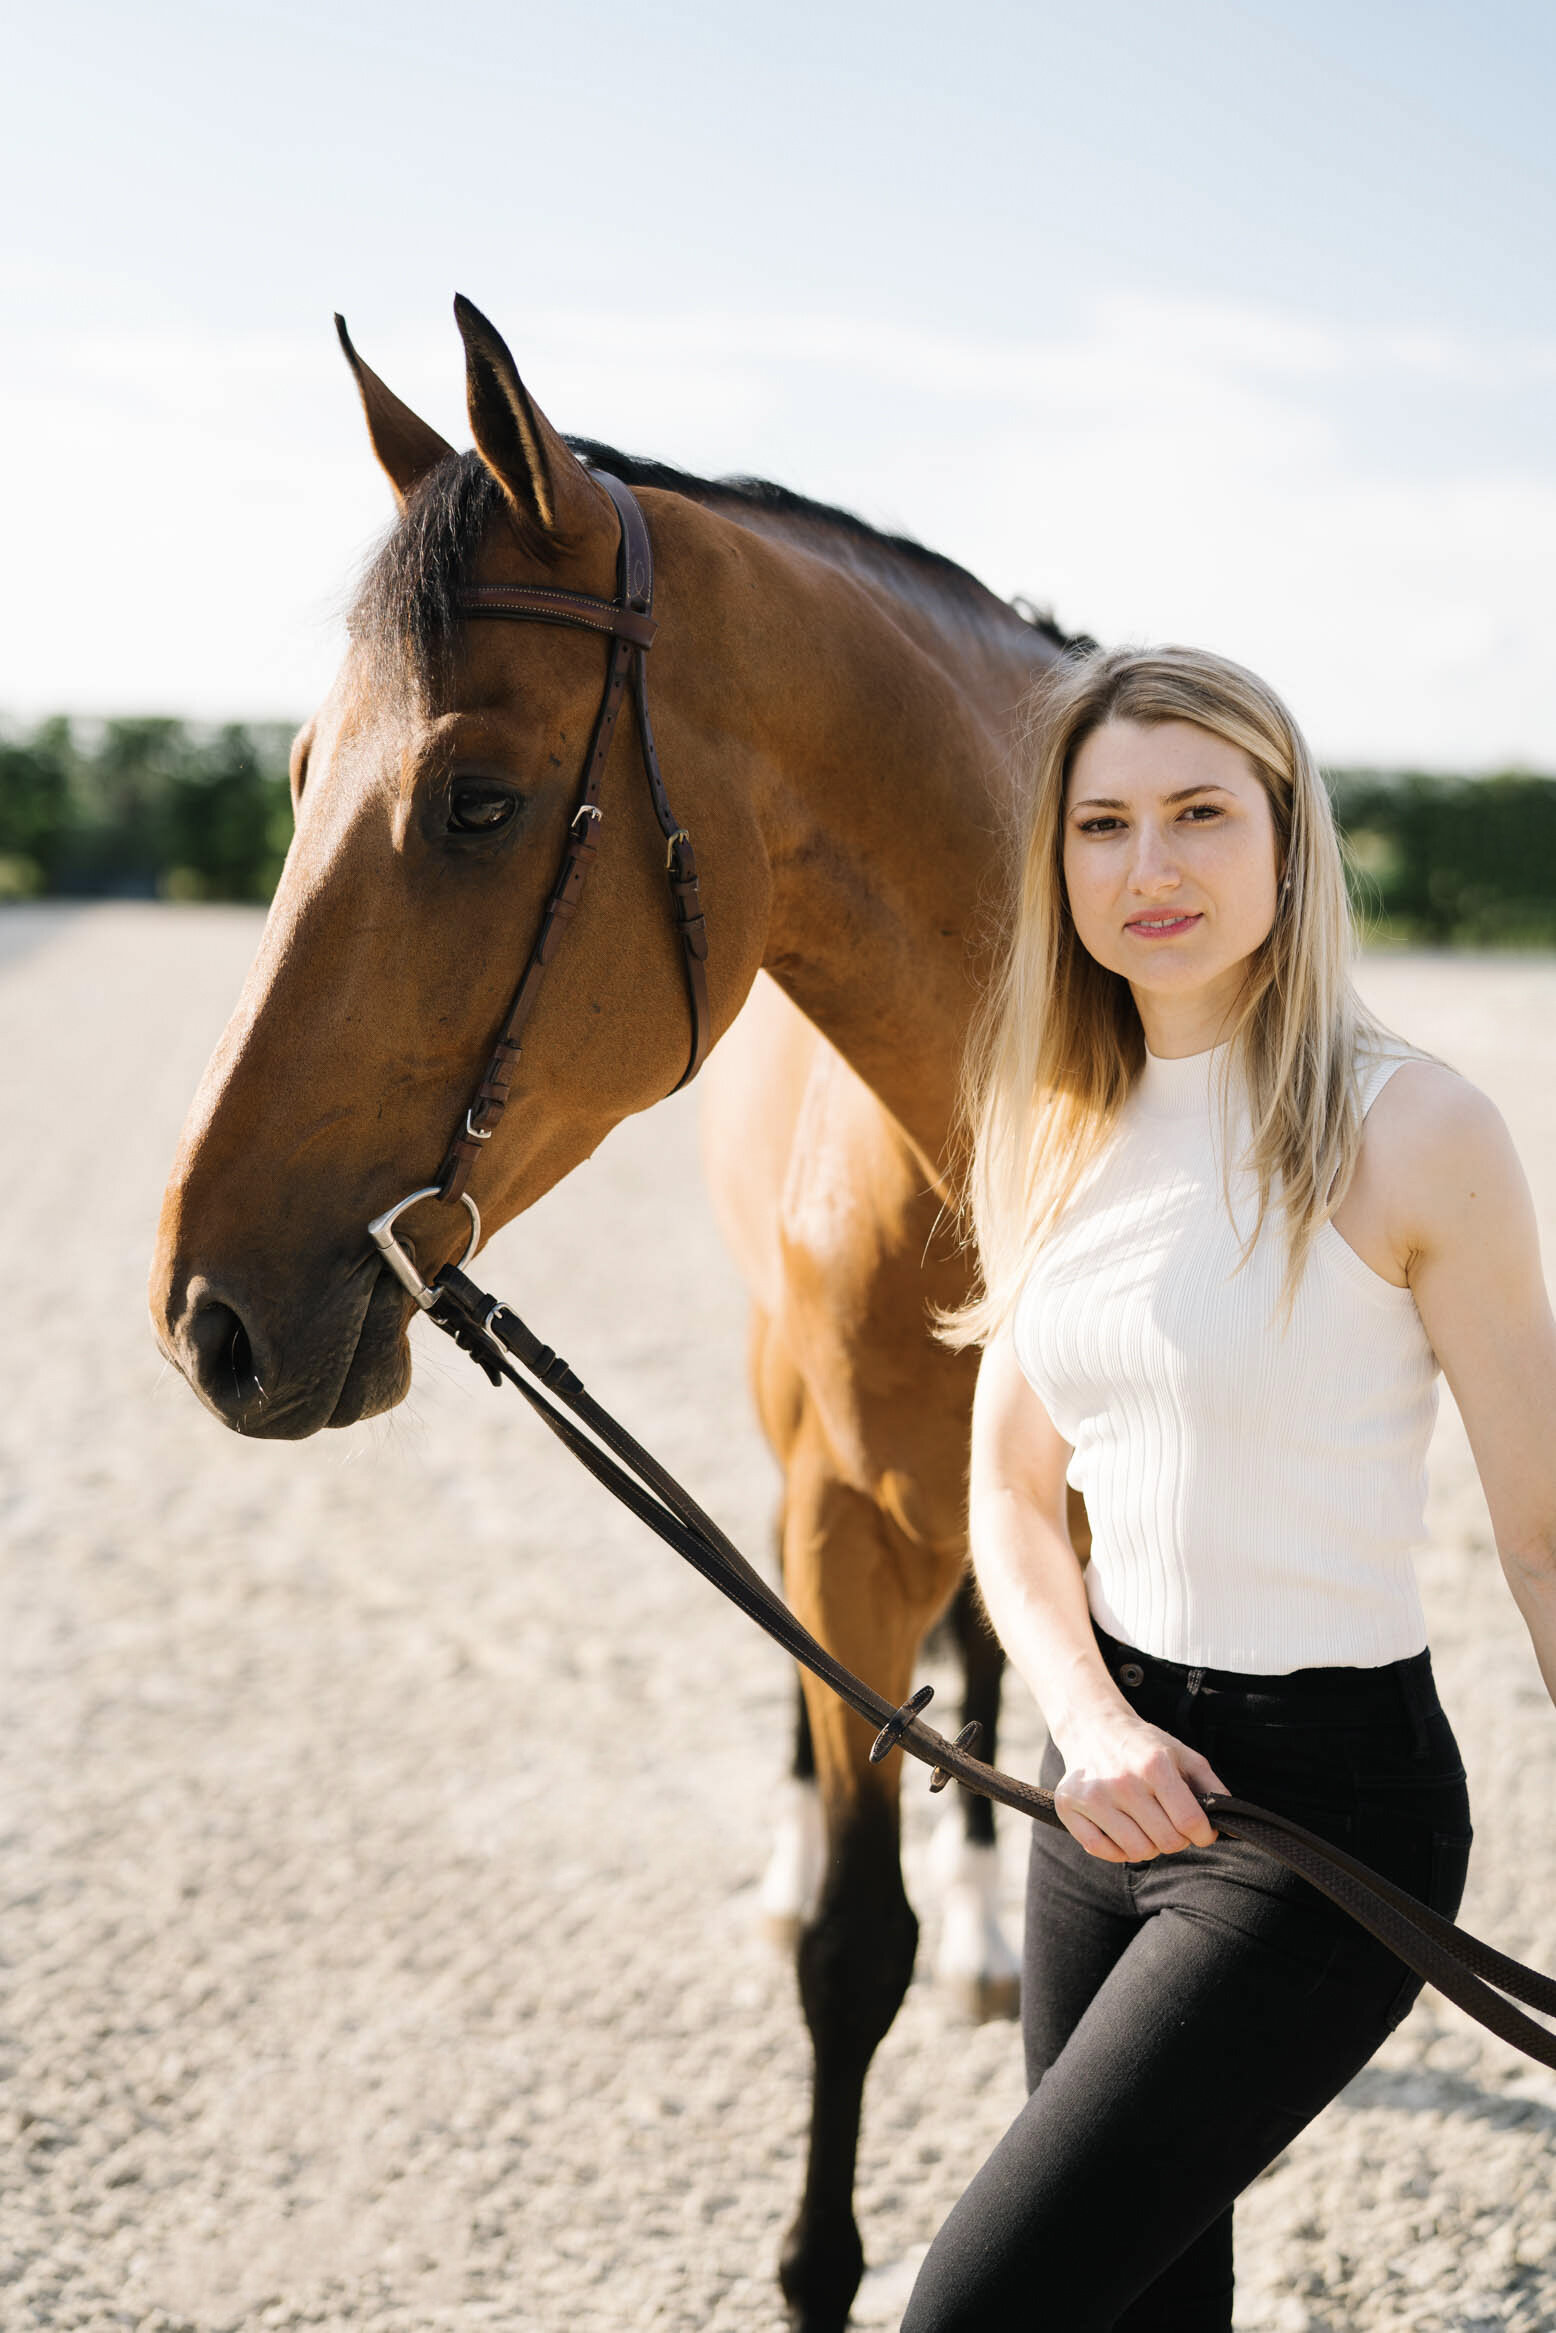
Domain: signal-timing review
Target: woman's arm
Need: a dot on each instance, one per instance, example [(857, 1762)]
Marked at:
[(1464, 1230), (1128, 1788)]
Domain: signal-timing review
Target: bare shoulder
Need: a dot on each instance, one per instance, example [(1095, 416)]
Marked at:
[(1431, 1118), (1439, 1153)]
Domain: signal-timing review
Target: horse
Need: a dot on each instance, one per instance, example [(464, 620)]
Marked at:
[(832, 706)]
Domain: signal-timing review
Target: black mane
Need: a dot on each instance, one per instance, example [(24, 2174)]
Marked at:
[(782, 501), (407, 598)]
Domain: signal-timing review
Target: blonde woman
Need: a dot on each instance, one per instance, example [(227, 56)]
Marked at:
[(1228, 1230)]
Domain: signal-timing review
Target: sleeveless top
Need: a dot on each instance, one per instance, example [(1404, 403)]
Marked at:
[(1256, 1484)]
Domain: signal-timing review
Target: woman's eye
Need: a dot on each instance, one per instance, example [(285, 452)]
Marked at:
[(1100, 825), (477, 806), (1203, 812)]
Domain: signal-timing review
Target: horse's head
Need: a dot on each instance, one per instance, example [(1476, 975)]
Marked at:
[(433, 792)]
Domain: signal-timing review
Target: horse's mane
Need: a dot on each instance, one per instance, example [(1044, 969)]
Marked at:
[(408, 596), (764, 498)]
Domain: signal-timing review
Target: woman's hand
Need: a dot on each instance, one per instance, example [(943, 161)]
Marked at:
[(1128, 1795)]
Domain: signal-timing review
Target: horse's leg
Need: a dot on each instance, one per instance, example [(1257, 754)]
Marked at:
[(973, 1959), (791, 1884), (983, 1666), (804, 1766), (868, 1591)]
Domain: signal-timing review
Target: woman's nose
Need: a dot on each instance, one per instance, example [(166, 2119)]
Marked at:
[(1154, 868)]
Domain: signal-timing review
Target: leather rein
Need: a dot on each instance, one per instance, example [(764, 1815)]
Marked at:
[(1471, 1973)]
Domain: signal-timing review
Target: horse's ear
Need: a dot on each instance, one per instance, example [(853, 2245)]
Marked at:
[(406, 446), (547, 487)]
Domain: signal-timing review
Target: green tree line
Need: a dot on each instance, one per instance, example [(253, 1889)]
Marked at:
[(1452, 862), (144, 808), (165, 809)]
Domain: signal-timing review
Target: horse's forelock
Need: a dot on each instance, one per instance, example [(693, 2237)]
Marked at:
[(405, 614)]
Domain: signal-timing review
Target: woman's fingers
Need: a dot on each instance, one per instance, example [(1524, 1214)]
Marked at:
[(1160, 1803), (1126, 1815), (1203, 1780), (1121, 1838), (1087, 1835), (1183, 1807), (1136, 1812), (1173, 1816)]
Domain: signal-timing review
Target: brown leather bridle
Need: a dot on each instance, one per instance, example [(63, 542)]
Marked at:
[(627, 621)]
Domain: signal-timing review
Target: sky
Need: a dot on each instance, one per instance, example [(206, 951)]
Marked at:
[(1233, 324)]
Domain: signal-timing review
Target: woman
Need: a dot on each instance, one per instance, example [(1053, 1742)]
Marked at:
[(1228, 1229)]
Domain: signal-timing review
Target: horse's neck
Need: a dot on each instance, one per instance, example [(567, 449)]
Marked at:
[(880, 775)]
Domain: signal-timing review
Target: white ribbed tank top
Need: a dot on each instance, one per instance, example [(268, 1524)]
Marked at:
[(1256, 1487)]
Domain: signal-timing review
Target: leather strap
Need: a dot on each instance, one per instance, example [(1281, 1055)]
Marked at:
[(627, 622), (681, 873), (532, 603), (1466, 1969)]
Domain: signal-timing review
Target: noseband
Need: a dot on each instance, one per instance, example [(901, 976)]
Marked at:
[(627, 621)]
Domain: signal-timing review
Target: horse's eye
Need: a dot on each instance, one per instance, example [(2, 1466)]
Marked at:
[(478, 806)]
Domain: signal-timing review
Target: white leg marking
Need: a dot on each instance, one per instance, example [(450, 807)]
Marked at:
[(973, 1959), (791, 1884)]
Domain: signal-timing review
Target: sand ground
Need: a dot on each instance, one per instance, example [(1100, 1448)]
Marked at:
[(382, 1815)]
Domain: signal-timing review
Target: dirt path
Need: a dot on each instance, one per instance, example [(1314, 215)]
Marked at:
[(382, 1815)]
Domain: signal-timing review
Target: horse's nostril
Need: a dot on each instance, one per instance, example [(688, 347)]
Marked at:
[(240, 1360), (222, 1357)]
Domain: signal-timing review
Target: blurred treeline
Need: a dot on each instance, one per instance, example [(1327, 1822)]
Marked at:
[(1451, 862), (164, 809), (143, 809)]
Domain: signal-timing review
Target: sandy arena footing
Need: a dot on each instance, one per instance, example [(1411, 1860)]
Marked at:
[(383, 1815)]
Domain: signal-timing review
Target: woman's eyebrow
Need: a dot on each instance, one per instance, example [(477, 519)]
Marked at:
[(1183, 794)]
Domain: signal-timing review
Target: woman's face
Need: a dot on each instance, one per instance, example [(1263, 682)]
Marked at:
[(1169, 862)]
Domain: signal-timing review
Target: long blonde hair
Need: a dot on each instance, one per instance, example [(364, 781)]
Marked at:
[(1059, 1044)]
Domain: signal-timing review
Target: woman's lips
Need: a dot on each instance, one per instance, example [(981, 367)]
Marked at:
[(1160, 927)]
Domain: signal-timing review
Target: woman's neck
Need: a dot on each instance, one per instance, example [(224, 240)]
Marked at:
[(1176, 1024)]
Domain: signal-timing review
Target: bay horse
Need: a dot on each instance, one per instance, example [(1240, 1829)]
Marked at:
[(832, 709)]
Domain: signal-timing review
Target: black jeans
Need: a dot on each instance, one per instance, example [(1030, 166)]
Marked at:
[(1185, 2017)]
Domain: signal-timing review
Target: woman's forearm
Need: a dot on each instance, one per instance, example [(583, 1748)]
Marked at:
[(1032, 1585), (1534, 1592)]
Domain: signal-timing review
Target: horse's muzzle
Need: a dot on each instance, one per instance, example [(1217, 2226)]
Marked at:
[(278, 1381)]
